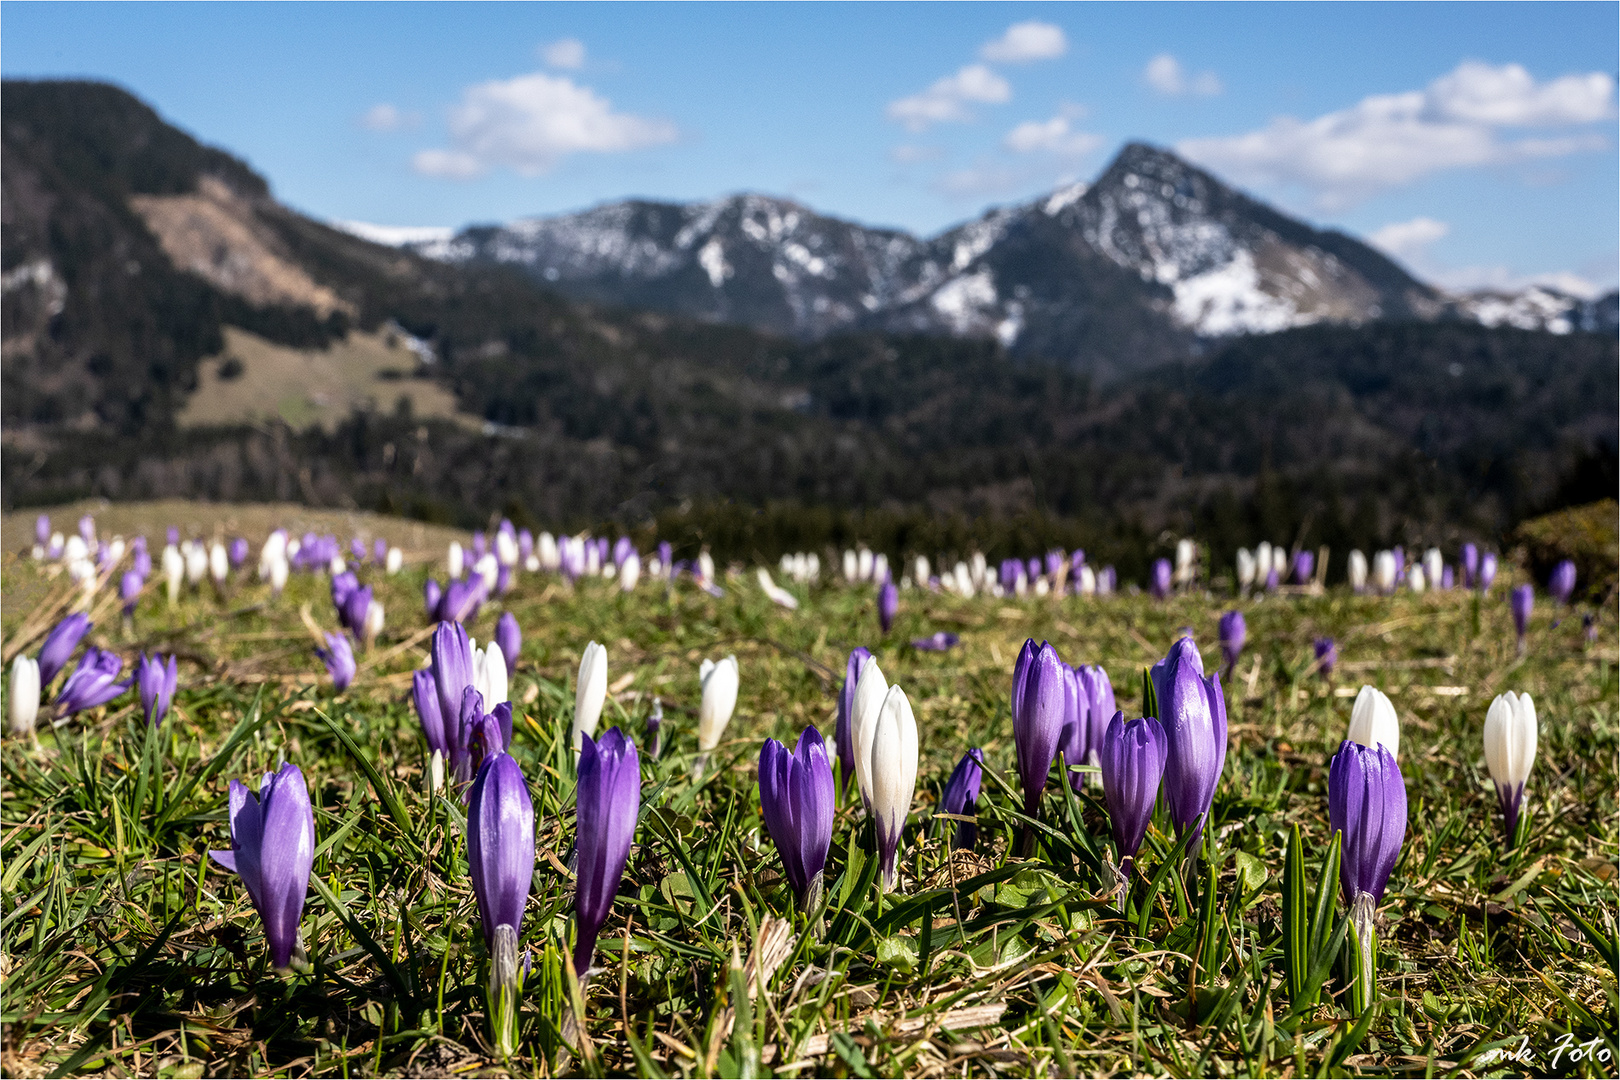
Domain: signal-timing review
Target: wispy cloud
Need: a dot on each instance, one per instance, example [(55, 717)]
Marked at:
[(1165, 75), (567, 54), (1054, 136), (1027, 42), (386, 117), (1409, 241), (947, 100), (531, 123), (1387, 141)]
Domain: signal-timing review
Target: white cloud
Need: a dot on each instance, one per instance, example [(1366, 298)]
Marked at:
[(567, 54), (1165, 75), (530, 123), (1463, 279), (1054, 136), (1389, 140), (946, 101), (1409, 240), (1026, 42), (911, 153), (385, 117)]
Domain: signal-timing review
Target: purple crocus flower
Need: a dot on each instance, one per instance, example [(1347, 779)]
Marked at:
[(478, 734), (425, 695), (342, 586), (353, 612), (525, 543), (141, 560), (500, 846), (1039, 709), (843, 735), (961, 796), (1521, 600), (1160, 582), (609, 798), (1327, 655), (87, 528), (940, 641), (1072, 740), (357, 548), (1470, 564), (93, 682), (452, 667), (272, 850), (510, 638), (666, 558), (1562, 582), (461, 600), (1054, 562), (1234, 631), (379, 551), (622, 547), (888, 603), (1271, 578), (156, 683), (338, 656), (1193, 714), (129, 590), (237, 552), (1133, 760), (173, 535), (42, 529), (1487, 571), (60, 643), (432, 596), (797, 800), (1400, 564), (1097, 692), (1448, 578), (1304, 566), (479, 545), (503, 579), (1367, 806)]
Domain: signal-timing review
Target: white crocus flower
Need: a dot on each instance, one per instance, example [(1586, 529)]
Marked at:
[(1434, 567), (630, 572), (219, 563), (456, 559), (870, 690), (720, 685), (279, 569), (506, 548), (550, 555), (1088, 580), (920, 571), (1373, 721), (1510, 751), (1245, 567), (490, 570), (590, 692), (196, 564), (489, 675), (373, 624), (274, 549), (75, 549), (893, 768), (1384, 571), (777, 594), (1415, 578), (174, 570), (24, 704), (395, 561), (1358, 570), (1262, 560)]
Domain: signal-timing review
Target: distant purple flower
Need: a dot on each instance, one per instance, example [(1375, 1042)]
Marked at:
[(1304, 565), (939, 641), (510, 639), (525, 543), (60, 644), (666, 558), (142, 559), (961, 796), (342, 585), (1470, 564), (1054, 562), (1271, 578), (888, 603), (42, 529), (844, 736), (273, 850), (338, 656), (174, 535), (432, 595), (1400, 563), (622, 547), (1133, 760), (1562, 582), (461, 600), (1192, 711), (1033, 567), (93, 682), (425, 695), (503, 579), (1487, 571), (1160, 582), (1107, 580), (353, 612), (1521, 601), (609, 799), (1233, 631), (1448, 578), (797, 801), (357, 548), (87, 528), (1327, 655), (156, 683), (129, 590), (1039, 710), (1589, 622), (237, 553), (479, 545)]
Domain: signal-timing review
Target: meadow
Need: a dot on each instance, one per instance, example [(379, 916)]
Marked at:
[(126, 951)]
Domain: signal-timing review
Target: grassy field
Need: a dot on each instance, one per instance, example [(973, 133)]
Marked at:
[(126, 952)]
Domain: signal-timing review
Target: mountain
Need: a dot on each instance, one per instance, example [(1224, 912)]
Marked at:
[(1130, 271)]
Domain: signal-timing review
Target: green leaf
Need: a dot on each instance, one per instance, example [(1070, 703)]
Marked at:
[(899, 953)]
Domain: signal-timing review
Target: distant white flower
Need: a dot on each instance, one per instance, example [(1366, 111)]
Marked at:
[(24, 703), (395, 561), (456, 558), (721, 683), (1358, 570), (630, 572)]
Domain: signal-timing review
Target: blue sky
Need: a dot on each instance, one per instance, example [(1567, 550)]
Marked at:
[(1477, 142)]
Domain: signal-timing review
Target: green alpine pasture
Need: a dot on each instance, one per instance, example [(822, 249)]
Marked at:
[(127, 952)]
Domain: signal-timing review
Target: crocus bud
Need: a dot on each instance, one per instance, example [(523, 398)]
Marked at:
[(451, 654), (1510, 751), (1304, 566), (961, 797), (1415, 578), (129, 590), (1367, 806), (1521, 601), (590, 691), (372, 625), (174, 570), (455, 560), (888, 604), (338, 656), (1470, 565), (156, 683), (1434, 566), (797, 801), (630, 572), (489, 674), (60, 644), (1233, 631), (510, 638), (1193, 714), (94, 682), (272, 850), (1097, 694), (435, 772), (720, 685), (1562, 582), (1245, 569), (196, 563), (500, 843), (609, 798), (1073, 739), (219, 563), (394, 561), (279, 569), (1327, 655), (23, 705), (1373, 721), (1159, 583), (1487, 571), (1133, 759), (844, 737), (1385, 572), (425, 696), (42, 529), (478, 734), (1357, 571), (871, 689), (1039, 711), (893, 768)]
